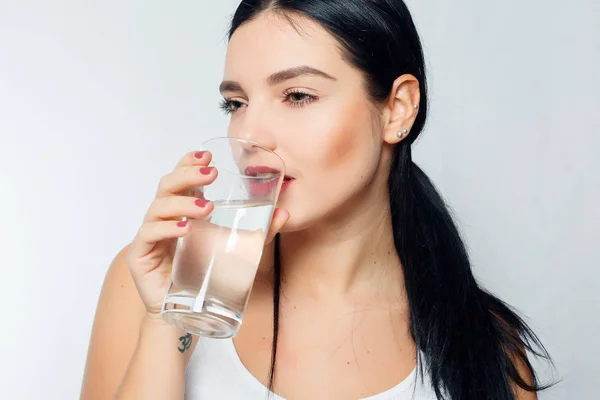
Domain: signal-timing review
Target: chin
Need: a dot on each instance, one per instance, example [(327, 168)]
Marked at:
[(300, 219), (305, 212), (293, 225)]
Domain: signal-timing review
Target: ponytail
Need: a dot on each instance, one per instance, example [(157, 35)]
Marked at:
[(471, 341)]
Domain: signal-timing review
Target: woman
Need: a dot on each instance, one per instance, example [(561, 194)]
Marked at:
[(367, 285)]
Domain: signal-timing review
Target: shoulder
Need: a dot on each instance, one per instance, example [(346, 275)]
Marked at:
[(523, 371)]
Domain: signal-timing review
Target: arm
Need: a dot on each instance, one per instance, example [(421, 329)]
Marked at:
[(124, 342), (157, 368)]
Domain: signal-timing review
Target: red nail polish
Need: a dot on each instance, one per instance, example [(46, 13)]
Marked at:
[(199, 154), (201, 202), (205, 170), (182, 224)]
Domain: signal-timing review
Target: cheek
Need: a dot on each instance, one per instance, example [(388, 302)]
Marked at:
[(338, 141), (342, 146), (348, 141)]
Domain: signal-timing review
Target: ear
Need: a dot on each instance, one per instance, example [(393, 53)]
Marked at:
[(401, 109)]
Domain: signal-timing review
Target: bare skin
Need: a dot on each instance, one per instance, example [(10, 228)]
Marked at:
[(344, 311)]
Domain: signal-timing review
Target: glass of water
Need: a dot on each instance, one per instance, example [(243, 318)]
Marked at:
[(215, 264)]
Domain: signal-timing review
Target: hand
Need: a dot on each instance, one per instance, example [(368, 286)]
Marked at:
[(150, 256)]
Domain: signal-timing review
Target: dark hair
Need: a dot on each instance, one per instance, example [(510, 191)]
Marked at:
[(471, 341)]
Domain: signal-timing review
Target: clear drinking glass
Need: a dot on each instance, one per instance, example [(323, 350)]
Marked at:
[(215, 264)]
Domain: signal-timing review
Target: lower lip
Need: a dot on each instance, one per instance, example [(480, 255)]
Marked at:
[(285, 185), (265, 189)]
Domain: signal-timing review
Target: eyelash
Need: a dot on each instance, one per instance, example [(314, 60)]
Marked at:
[(229, 106)]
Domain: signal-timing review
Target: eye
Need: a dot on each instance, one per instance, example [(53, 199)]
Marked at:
[(229, 106), (298, 98)]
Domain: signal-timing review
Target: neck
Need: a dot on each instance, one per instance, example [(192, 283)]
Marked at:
[(349, 257)]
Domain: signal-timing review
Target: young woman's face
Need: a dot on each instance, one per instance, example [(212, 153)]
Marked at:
[(295, 94)]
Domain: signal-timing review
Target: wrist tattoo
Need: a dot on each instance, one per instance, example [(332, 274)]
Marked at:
[(186, 343)]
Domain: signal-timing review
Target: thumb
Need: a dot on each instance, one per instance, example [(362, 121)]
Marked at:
[(280, 217)]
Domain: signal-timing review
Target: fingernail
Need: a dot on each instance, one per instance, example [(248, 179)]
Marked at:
[(205, 170), (199, 154), (201, 202), (182, 224)]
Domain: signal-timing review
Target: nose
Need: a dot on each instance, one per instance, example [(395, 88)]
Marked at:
[(248, 147), (255, 127)]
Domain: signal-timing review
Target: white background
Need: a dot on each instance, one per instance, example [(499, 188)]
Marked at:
[(99, 99)]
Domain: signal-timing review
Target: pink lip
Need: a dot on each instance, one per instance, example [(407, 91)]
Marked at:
[(260, 188)]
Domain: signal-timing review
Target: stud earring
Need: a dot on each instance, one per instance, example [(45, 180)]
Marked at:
[(416, 106), (402, 133)]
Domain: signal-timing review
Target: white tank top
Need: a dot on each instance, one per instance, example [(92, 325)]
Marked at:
[(215, 372)]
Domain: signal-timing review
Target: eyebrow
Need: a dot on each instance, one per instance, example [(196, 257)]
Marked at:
[(278, 77)]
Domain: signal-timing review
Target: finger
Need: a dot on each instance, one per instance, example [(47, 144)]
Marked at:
[(176, 207), (195, 158), (151, 233), (185, 178), (280, 217)]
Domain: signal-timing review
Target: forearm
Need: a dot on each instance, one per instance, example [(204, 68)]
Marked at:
[(157, 367)]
